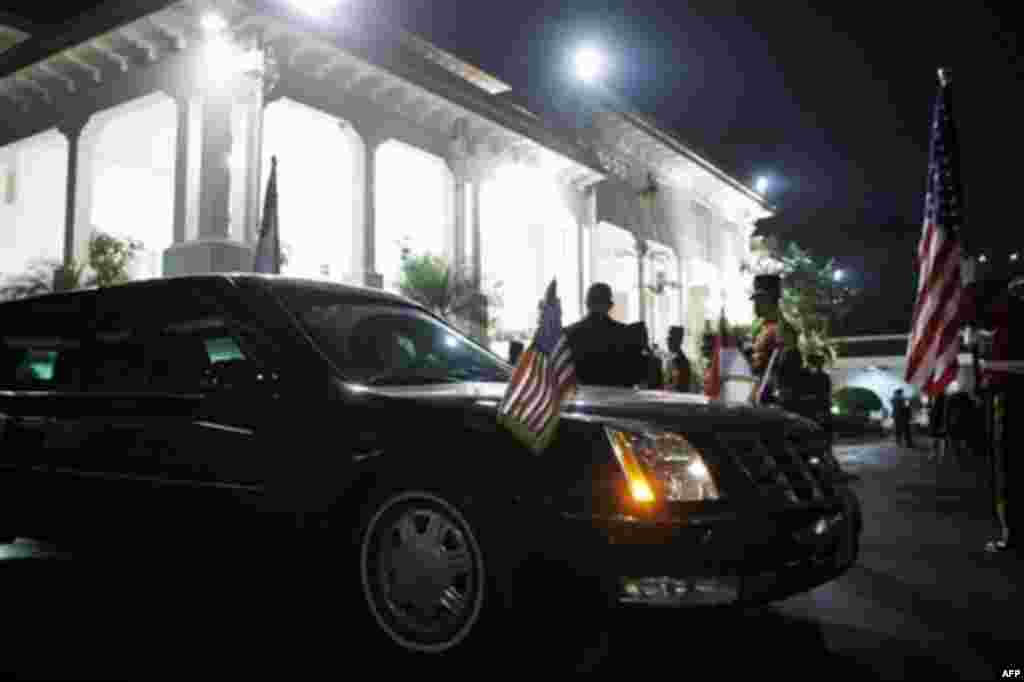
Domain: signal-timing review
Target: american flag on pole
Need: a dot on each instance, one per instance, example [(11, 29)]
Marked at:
[(544, 377), (935, 331), (268, 249)]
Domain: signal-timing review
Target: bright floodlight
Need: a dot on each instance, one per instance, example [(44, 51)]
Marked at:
[(213, 22), (838, 275), (589, 64), (316, 8), (762, 184)]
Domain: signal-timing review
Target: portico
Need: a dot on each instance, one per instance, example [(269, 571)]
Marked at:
[(156, 128)]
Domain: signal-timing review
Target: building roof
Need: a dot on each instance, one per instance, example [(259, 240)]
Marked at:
[(403, 54), (13, 30)]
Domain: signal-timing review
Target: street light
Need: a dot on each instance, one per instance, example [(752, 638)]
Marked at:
[(316, 8), (762, 184), (838, 275), (590, 64)]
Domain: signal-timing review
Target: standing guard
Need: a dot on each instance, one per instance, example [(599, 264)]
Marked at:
[(776, 357), (999, 307)]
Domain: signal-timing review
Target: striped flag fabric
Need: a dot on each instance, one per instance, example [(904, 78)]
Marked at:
[(935, 330), (544, 377), (268, 249)]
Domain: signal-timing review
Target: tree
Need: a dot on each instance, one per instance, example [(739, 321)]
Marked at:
[(811, 298), (109, 260), (447, 291), (856, 400)]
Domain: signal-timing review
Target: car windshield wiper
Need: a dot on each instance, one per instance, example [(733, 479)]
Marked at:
[(412, 375)]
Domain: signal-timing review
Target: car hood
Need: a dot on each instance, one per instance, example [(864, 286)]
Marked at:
[(662, 408)]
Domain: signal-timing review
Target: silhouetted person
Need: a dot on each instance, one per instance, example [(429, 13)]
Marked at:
[(937, 426), (680, 369), (819, 386), (901, 418), (607, 352), (960, 423), (515, 349)]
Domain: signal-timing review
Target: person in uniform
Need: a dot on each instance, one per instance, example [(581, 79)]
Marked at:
[(777, 337), (607, 352), (680, 370), (999, 308), (820, 391), (901, 418)]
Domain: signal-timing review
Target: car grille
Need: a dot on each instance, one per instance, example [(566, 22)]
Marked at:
[(776, 467)]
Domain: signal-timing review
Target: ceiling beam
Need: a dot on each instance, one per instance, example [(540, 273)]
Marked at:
[(135, 37), (34, 86), (7, 91), (51, 71), (101, 47), (177, 34), (94, 71)]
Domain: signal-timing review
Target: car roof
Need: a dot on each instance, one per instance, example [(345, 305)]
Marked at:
[(270, 281)]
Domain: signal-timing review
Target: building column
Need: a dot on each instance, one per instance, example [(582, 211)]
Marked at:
[(214, 194), (368, 235), (202, 227), (477, 232), (641, 257), (461, 193), (585, 244), (78, 198), (186, 168)]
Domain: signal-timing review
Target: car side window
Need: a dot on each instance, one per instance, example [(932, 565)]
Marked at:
[(166, 338), (41, 345), (118, 359), (184, 354)]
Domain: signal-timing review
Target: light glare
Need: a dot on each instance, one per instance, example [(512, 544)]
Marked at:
[(589, 64), (762, 185), (213, 22), (698, 470)]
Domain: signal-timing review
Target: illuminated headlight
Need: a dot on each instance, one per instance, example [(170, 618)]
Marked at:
[(664, 462)]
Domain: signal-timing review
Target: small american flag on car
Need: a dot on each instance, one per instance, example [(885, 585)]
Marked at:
[(544, 377)]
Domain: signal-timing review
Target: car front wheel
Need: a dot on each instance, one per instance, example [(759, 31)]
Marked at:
[(422, 572)]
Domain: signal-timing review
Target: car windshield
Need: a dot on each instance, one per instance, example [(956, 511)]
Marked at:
[(385, 344)]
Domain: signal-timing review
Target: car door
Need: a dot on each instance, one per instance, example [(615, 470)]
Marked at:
[(222, 372), (41, 374)]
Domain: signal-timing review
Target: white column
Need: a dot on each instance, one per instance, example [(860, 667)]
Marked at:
[(215, 191), (641, 256), (186, 168), (461, 192), (369, 232)]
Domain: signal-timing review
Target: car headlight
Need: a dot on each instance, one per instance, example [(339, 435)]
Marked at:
[(664, 462)]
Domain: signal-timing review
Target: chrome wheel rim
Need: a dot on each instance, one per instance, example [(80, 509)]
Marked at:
[(422, 572)]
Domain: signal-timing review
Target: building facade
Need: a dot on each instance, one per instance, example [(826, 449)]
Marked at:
[(156, 120)]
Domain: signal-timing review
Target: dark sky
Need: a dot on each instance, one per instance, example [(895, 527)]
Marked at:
[(834, 104)]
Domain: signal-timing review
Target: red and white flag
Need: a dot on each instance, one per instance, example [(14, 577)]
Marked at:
[(935, 331)]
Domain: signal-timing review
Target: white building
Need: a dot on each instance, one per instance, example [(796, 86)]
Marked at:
[(879, 363), (153, 121)]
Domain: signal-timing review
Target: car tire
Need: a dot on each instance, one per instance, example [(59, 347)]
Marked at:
[(424, 575)]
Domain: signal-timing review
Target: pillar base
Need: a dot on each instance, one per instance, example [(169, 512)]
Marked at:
[(196, 257)]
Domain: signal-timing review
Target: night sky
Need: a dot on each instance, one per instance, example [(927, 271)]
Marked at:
[(833, 104)]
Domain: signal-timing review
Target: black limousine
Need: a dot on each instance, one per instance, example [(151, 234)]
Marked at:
[(244, 406)]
